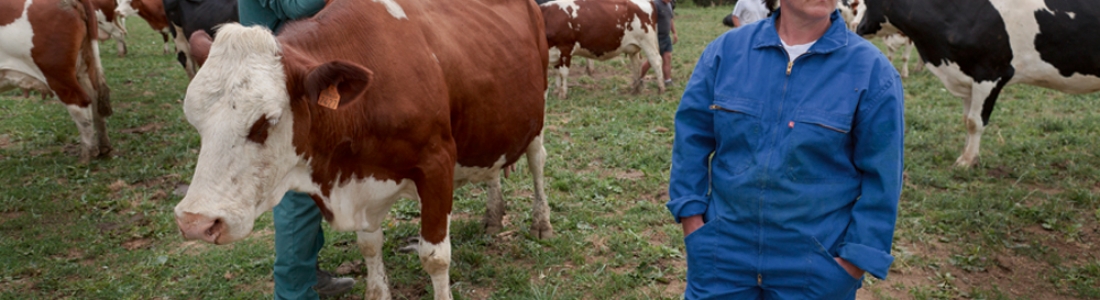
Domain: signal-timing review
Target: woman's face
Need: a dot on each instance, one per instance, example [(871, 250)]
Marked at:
[(810, 9)]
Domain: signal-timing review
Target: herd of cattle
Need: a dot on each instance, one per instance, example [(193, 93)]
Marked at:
[(408, 104)]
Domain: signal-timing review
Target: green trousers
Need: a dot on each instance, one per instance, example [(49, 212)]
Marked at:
[(298, 239)]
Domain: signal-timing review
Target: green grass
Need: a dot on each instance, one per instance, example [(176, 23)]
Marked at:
[(1023, 225)]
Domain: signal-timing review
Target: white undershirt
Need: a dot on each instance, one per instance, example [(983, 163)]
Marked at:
[(794, 51)]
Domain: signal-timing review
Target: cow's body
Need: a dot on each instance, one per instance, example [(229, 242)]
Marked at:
[(112, 25), (978, 47), (423, 108), (152, 11), (893, 42), (50, 46), (186, 17), (600, 29)]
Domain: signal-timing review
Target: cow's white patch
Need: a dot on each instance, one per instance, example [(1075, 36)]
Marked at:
[(645, 6), (1072, 15), (83, 117), (568, 6), (464, 174), (370, 244), (17, 67), (125, 9), (1029, 65), (363, 204), (393, 8), (953, 78), (114, 30), (436, 259)]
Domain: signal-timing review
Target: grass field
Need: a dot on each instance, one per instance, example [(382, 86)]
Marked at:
[(1023, 225)]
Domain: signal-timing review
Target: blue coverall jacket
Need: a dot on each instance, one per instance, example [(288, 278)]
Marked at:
[(791, 164)]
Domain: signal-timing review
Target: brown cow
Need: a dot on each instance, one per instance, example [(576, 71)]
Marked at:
[(49, 45), (600, 29), (152, 11), (363, 104), (112, 25)]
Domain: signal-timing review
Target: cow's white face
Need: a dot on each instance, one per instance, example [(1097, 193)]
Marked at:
[(124, 8), (239, 104)]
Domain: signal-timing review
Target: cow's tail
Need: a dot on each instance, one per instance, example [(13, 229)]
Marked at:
[(90, 54)]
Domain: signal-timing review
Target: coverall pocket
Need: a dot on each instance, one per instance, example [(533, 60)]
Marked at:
[(827, 278), (738, 129), (820, 147), (699, 246)]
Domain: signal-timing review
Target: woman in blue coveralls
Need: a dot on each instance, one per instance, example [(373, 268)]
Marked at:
[(787, 160), (298, 233)]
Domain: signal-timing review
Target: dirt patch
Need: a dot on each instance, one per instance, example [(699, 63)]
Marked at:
[(18, 285), (5, 141), (135, 244), (4, 217), (118, 185), (143, 129), (924, 266), (629, 174)]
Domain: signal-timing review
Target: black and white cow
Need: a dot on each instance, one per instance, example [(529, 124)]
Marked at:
[(977, 47), (189, 16)]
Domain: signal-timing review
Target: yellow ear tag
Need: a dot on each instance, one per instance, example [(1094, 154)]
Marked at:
[(330, 98)]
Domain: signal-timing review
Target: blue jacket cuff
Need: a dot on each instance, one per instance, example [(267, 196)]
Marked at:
[(873, 261), (686, 208)]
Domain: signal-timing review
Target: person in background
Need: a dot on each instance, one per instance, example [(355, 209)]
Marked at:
[(787, 160), (298, 233), (745, 12), (665, 26)]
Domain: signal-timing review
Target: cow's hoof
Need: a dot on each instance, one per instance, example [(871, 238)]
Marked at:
[(963, 163), (104, 152), (542, 232)]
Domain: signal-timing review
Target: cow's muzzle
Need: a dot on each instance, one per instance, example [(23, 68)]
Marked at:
[(200, 227)]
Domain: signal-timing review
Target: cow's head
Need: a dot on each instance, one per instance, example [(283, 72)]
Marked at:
[(240, 102), (870, 19)]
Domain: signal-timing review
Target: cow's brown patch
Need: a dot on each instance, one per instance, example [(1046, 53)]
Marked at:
[(260, 129), (325, 211), (10, 11)]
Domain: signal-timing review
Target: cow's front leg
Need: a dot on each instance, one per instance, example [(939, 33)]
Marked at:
[(435, 187), (370, 244)]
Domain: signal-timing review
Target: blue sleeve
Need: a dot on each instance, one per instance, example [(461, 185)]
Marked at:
[(293, 9), (693, 144), (879, 137), (273, 13)]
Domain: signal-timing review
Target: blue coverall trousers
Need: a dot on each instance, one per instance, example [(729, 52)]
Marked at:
[(298, 239)]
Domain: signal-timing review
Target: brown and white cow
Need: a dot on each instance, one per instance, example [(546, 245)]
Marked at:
[(152, 11), (365, 103), (600, 29), (112, 25), (49, 46)]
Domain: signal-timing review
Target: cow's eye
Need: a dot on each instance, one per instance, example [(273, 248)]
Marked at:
[(259, 130)]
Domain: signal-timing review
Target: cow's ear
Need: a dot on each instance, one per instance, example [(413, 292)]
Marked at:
[(200, 46), (337, 83)]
